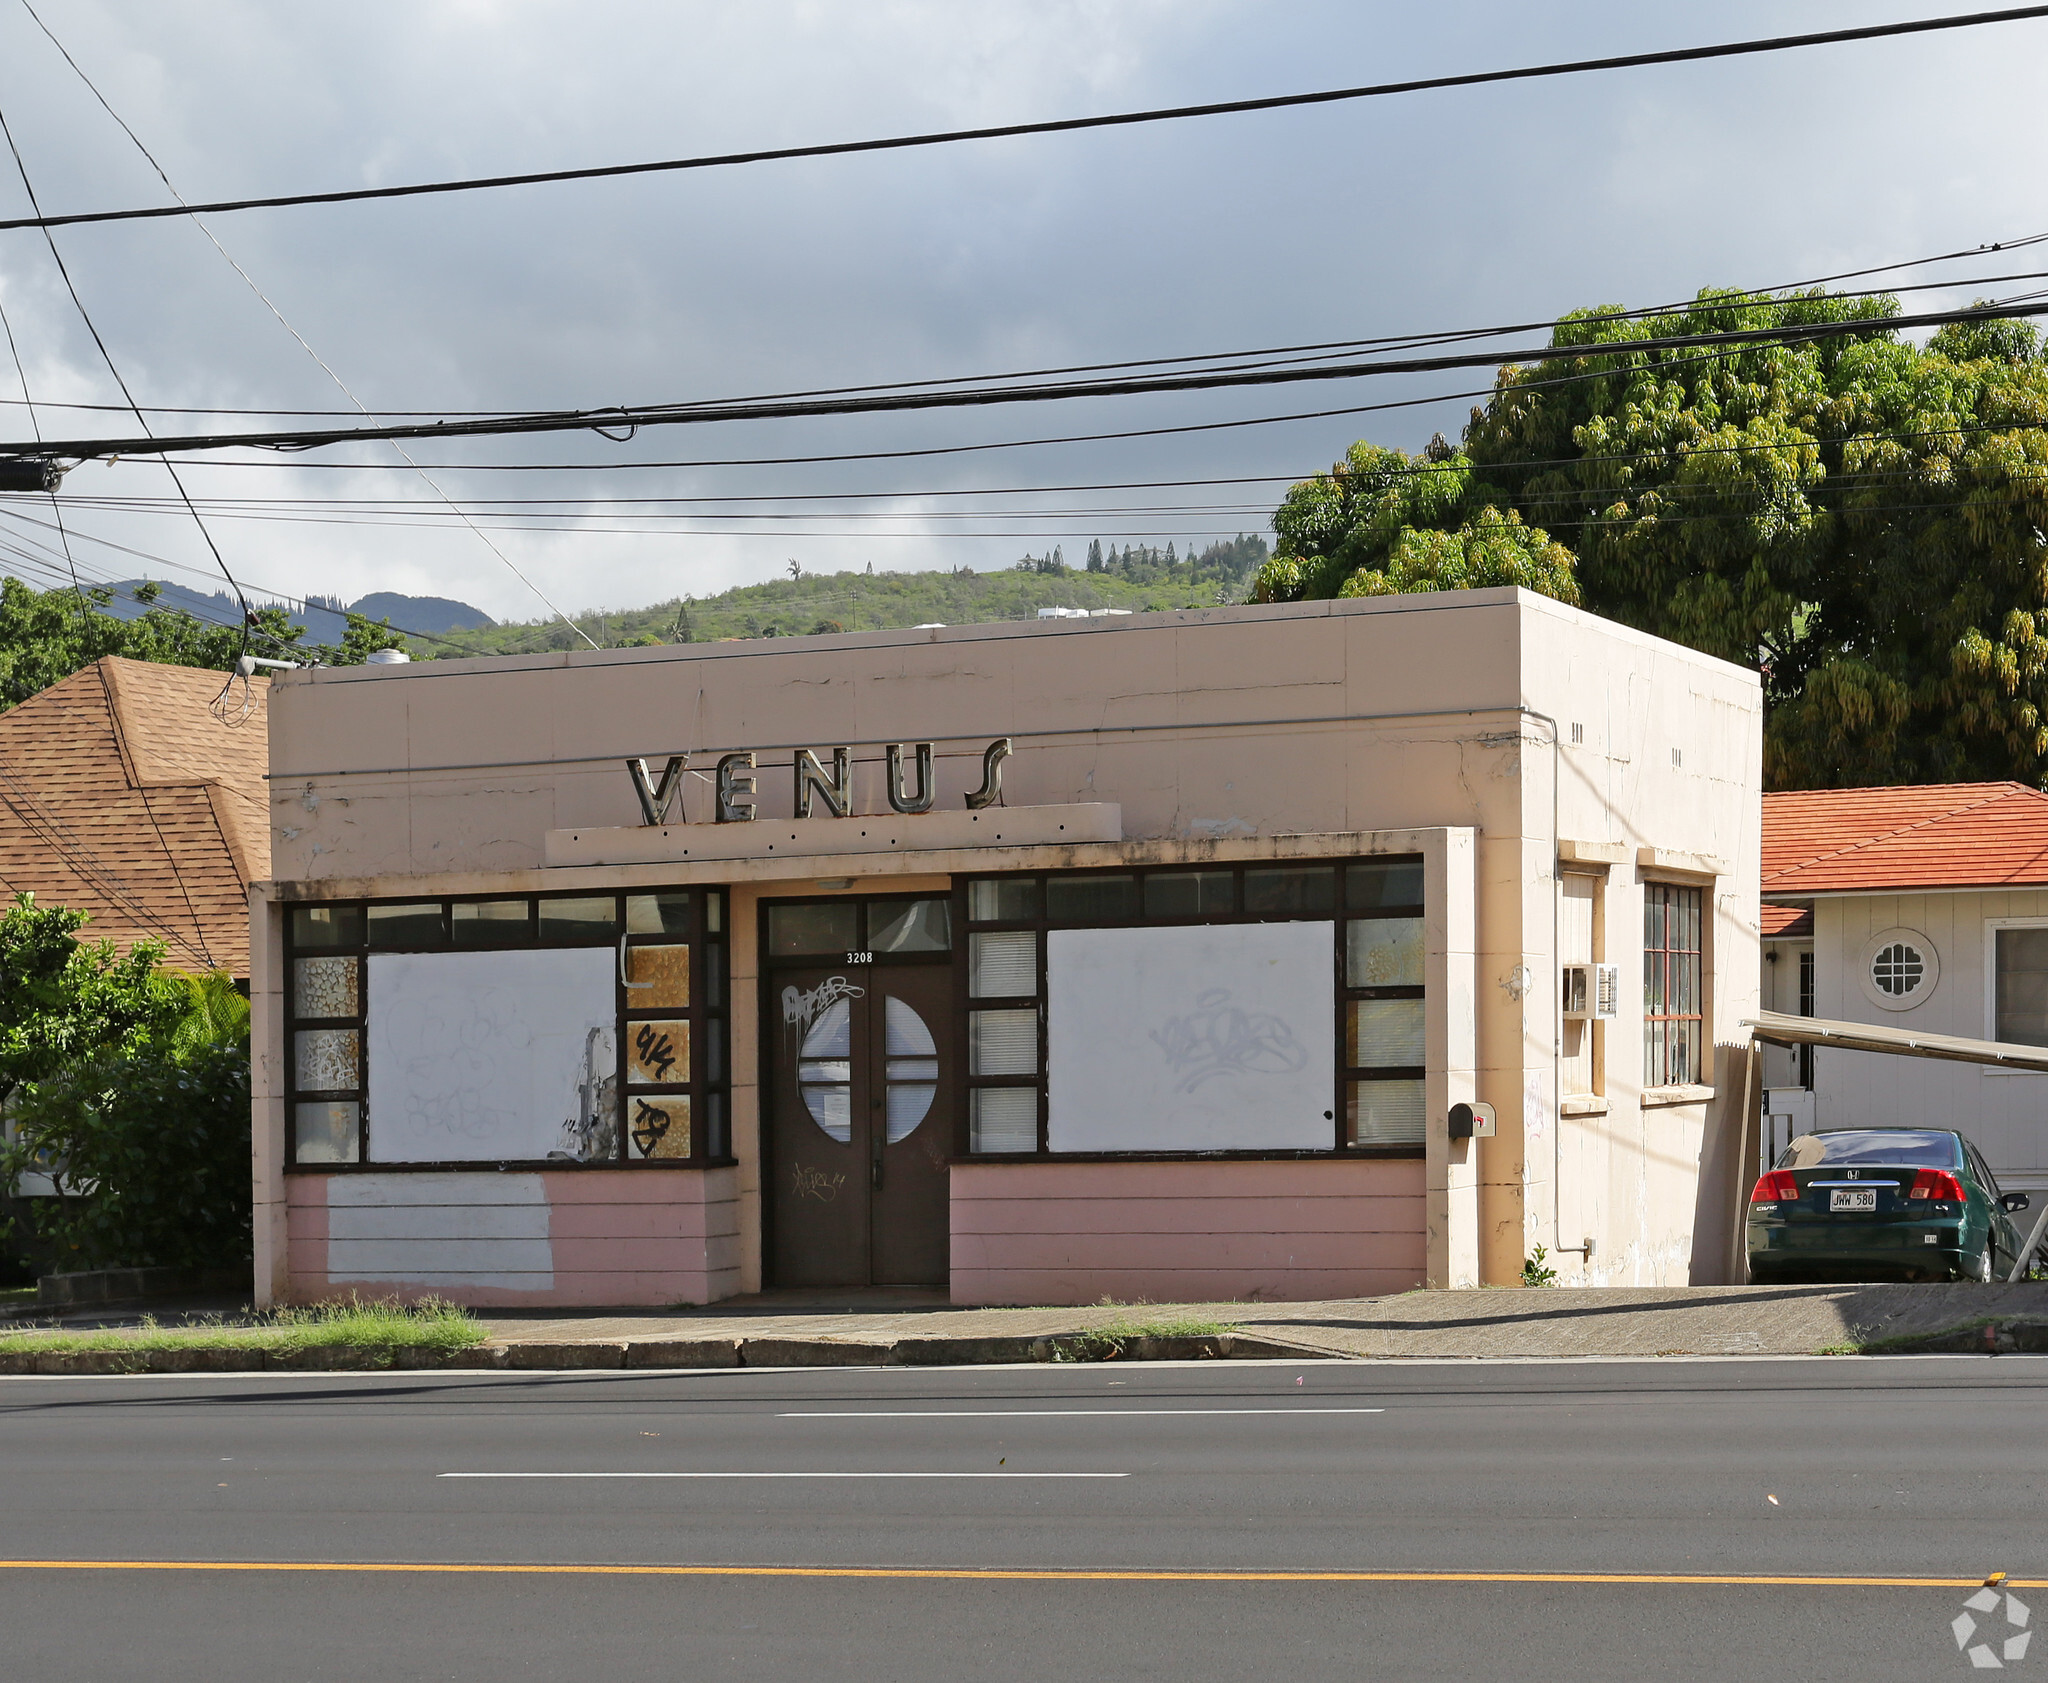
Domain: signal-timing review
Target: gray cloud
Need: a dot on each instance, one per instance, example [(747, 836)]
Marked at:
[(1438, 210)]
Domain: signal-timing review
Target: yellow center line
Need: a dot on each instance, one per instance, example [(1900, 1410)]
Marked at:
[(1031, 1574)]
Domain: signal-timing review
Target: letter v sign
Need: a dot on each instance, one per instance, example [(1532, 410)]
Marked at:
[(656, 799)]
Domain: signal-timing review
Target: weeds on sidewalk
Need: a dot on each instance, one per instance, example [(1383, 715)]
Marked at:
[(367, 1324), (1109, 1341)]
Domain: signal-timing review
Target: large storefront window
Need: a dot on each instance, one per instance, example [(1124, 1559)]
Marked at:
[(1253, 1008), (1672, 1011), (586, 1028)]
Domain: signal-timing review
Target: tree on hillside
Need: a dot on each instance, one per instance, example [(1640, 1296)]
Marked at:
[(46, 635), (1862, 517)]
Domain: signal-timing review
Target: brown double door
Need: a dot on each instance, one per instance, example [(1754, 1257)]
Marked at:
[(860, 1122)]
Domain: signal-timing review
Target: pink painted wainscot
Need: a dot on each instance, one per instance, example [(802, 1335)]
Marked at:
[(512, 1239), (1053, 1232)]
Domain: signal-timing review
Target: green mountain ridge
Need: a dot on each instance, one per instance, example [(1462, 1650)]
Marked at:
[(1139, 579)]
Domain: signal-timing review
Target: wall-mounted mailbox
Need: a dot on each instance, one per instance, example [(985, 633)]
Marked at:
[(1472, 1121)]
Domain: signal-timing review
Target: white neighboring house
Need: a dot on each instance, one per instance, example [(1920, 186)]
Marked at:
[(1911, 908)]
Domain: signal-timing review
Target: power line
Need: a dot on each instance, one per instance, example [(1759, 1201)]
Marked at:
[(1733, 299), (273, 597), (1789, 334), (264, 299), (1067, 125)]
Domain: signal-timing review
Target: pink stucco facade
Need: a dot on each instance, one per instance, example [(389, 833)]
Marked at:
[(1053, 1232), (509, 1240)]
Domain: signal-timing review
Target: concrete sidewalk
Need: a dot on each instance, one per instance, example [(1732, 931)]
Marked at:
[(904, 1329), (784, 1329)]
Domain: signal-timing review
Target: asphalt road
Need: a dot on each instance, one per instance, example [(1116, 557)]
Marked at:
[(1144, 1478)]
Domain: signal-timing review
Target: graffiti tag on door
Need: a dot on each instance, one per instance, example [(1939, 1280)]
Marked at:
[(807, 1182), (801, 1009)]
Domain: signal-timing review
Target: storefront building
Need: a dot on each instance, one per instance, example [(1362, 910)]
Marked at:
[(1178, 957)]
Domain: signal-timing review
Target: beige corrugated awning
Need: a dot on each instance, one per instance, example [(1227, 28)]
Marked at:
[(1781, 1030)]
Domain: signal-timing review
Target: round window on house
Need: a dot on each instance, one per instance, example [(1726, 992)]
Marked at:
[(1900, 968)]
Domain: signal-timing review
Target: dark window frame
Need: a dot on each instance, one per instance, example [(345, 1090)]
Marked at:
[(708, 935), (1340, 914)]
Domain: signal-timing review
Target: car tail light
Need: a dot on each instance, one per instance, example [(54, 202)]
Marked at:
[(1937, 1184), (1780, 1186)]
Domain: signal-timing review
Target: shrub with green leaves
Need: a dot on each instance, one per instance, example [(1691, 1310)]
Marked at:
[(129, 1086)]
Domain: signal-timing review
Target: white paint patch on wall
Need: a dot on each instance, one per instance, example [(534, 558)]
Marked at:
[(440, 1230), (476, 1057), (1191, 1039)]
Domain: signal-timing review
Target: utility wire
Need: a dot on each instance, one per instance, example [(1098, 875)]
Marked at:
[(56, 508), (1619, 351), (299, 338), (1731, 300), (1067, 125), (273, 597)]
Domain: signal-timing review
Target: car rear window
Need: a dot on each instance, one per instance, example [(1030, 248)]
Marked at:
[(1918, 1147)]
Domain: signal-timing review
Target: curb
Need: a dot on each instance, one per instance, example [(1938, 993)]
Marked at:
[(1974, 1338), (540, 1356)]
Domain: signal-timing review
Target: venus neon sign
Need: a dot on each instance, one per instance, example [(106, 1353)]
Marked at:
[(735, 783)]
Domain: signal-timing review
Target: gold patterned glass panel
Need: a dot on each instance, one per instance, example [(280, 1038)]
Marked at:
[(328, 1060), (660, 1127), (324, 987), (1384, 952), (658, 1052), (658, 978)]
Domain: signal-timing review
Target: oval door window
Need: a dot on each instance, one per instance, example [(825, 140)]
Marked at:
[(824, 1070), (913, 1072)]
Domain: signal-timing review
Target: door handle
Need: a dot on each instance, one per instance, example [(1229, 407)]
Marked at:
[(623, 982)]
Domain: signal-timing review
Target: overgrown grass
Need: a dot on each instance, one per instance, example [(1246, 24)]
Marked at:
[(1110, 1340), (359, 1323)]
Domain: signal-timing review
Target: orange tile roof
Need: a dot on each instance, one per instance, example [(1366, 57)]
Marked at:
[(122, 796), (1943, 835), (1787, 923)]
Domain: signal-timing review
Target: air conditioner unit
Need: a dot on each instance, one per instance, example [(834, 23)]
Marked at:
[(1591, 992)]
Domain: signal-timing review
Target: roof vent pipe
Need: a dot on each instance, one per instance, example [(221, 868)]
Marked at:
[(389, 657)]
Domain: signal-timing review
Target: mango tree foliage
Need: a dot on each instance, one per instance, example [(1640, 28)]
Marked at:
[(1862, 517)]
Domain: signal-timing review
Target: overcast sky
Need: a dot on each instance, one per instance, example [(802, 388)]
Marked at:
[(1421, 212)]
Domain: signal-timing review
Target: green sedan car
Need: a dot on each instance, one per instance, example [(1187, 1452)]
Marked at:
[(1882, 1204)]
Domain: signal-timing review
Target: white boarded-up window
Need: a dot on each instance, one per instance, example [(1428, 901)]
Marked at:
[(1215, 1037), (488, 1056)]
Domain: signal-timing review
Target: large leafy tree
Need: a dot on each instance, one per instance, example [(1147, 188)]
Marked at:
[(1862, 516)]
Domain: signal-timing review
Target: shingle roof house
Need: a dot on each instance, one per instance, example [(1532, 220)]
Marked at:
[(124, 796)]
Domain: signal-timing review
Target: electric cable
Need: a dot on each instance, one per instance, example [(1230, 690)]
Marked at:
[(681, 414), (279, 314), (1067, 125), (56, 508), (274, 597), (1729, 300)]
